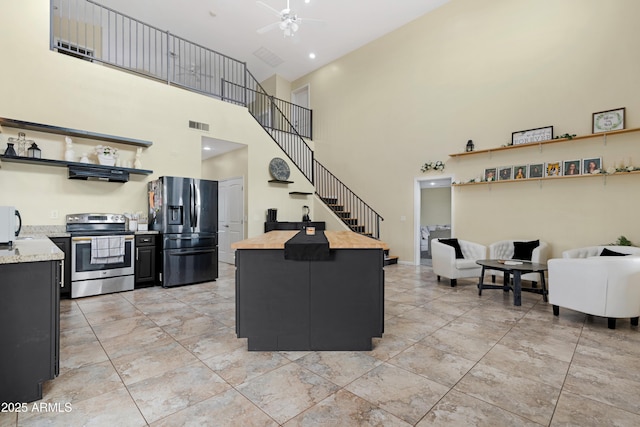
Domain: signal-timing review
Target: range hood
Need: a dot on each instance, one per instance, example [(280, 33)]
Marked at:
[(98, 173)]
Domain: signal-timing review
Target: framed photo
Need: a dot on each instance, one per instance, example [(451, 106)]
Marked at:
[(490, 174), (504, 173), (606, 121), (552, 169), (520, 172), (571, 167), (532, 135), (592, 165), (536, 170)]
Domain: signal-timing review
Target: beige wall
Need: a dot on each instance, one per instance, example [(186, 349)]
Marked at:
[(41, 86), (482, 69), (435, 206)]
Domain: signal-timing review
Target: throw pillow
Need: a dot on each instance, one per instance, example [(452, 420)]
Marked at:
[(453, 243), (608, 252), (524, 250)]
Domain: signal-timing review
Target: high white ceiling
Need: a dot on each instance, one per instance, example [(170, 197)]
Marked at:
[(230, 27)]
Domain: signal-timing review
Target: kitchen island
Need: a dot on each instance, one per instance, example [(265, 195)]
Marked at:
[(30, 277), (335, 302)]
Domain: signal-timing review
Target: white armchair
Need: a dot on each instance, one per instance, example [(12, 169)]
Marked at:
[(445, 263), (504, 249), (607, 286)]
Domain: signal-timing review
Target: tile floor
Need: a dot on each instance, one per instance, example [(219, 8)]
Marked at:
[(170, 357)]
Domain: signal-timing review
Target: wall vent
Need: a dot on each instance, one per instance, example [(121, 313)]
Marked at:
[(199, 126), (74, 50)]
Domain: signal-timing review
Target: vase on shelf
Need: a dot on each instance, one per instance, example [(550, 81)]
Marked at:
[(137, 163), (10, 151), (69, 154)]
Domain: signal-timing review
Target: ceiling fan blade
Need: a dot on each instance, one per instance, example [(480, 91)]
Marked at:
[(268, 28), (269, 8), (315, 21)]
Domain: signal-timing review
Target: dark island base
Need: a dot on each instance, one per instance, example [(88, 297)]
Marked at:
[(29, 315), (287, 305)]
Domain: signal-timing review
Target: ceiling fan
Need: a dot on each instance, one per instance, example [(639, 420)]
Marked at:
[(288, 23)]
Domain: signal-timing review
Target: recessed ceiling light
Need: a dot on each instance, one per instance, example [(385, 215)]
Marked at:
[(433, 183), (307, 1), (206, 148), (312, 55)]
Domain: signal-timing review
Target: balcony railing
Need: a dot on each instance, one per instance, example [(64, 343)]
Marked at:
[(88, 30)]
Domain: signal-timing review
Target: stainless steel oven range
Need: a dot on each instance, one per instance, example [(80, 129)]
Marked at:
[(102, 254)]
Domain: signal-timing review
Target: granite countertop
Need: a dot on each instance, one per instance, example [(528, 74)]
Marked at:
[(30, 250), (337, 240)]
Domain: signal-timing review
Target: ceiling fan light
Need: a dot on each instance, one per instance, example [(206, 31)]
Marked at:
[(294, 27), (283, 25)]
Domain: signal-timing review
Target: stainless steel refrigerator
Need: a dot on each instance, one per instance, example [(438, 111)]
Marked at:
[(185, 212)]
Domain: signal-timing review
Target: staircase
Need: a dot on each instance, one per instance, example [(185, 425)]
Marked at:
[(342, 201), (339, 210)]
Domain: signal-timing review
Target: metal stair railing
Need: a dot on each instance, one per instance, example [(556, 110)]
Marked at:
[(340, 198), (328, 187)]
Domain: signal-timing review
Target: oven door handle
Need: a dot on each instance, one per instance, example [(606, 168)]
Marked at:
[(88, 239), (187, 253)]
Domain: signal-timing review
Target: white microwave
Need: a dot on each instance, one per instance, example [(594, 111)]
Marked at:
[(10, 224)]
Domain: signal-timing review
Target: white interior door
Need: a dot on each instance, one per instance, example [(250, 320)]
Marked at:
[(300, 97), (230, 217)]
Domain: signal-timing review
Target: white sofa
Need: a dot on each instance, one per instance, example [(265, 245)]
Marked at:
[(607, 286), (504, 249), (445, 263), (590, 251)]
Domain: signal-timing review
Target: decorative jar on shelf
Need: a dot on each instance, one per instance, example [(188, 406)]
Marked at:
[(106, 155), (106, 160)]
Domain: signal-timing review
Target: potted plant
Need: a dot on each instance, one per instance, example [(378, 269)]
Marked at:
[(106, 155)]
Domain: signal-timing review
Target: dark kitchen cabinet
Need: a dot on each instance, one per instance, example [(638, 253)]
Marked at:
[(30, 332), (146, 255), (64, 243)]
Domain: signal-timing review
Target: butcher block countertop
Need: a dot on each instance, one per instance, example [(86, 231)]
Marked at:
[(337, 240)]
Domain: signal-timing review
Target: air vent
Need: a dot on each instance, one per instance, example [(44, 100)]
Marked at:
[(200, 126), (74, 50), (268, 57)]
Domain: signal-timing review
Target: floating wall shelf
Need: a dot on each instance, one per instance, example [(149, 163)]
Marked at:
[(541, 143), (72, 132), (279, 181)]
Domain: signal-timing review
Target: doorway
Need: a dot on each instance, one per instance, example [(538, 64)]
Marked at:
[(301, 97), (433, 213), (230, 217)]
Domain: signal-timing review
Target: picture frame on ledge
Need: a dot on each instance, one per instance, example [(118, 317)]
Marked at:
[(607, 121), (520, 172), (571, 167), (591, 165), (490, 174), (532, 135), (536, 170), (505, 173), (552, 169)]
